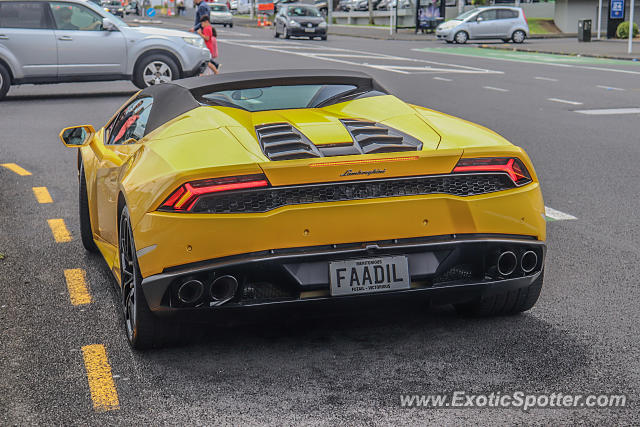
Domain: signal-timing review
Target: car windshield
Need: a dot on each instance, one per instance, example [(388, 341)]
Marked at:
[(302, 11), (219, 8), (105, 14), (465, 15), (277, 97), (112, 3)]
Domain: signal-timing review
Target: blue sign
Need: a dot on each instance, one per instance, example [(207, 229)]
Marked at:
[(151, 12), (617, 9)]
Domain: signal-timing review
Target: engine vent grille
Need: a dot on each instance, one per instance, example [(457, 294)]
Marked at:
[(266, 199), (371, 137), (281, 141)]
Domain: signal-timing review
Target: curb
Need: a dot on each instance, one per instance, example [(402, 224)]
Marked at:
[(548, 52)]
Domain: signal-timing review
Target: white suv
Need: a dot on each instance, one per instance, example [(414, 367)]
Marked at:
[(76, 40)]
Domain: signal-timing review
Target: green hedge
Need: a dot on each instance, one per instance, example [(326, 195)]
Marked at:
[(622, 32)]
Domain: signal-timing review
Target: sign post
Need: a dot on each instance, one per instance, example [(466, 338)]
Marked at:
[(616, 17), (630, 48), (599, 17)]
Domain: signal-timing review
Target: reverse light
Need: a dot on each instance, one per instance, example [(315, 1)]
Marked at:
[(513, 166), (184, 198)]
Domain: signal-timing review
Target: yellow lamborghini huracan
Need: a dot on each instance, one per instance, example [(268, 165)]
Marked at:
[(221, 193)]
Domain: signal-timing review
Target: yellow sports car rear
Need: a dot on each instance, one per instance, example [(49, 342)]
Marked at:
[(295, 187)]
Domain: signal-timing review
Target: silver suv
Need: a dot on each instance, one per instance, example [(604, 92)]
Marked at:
[(76, 40), (506, 23)]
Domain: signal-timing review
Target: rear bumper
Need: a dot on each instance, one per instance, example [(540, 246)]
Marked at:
[(447, 269)]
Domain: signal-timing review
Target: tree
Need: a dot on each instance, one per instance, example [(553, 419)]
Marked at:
[(371, 21)]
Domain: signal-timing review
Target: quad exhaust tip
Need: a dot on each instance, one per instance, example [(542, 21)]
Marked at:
[(507, 263), (223, 288), (529, 261), (190, 291)]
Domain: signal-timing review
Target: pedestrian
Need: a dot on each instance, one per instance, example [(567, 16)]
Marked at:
[(202, 9), (208, 33), (181, 8)]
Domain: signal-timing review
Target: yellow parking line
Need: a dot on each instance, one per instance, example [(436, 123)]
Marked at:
[(77, 285), (17, 169), (42, 195), (59, 230), (103, 389)]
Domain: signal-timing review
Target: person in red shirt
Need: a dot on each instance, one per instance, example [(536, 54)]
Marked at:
[(208, 33)]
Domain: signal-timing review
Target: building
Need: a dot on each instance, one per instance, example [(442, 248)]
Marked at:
[(569, 12)]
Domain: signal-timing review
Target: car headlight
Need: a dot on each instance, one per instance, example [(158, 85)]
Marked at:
[(322, 24), (194, 41), (294, 23), (120, 10)]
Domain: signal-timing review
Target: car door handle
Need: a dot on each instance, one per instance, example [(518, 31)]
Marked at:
[(3, 37), (65, 38)]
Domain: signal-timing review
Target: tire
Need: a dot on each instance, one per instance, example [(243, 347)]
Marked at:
[(143, 329), (230, 25), (5, 81), (506, 40), (166, 67), (277, 34), (505, 303), (286, 33), (323, 38), (86, 233), (461, 37), (518, 36)]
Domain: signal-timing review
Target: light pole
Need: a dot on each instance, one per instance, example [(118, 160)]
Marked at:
[(599, 16)]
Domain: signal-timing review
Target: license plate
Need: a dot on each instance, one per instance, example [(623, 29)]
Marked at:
[(363, 276), (310, 30)]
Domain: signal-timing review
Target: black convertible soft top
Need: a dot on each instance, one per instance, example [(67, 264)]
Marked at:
[(171, 100)]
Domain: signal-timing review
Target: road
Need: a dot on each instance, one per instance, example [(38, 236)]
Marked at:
[(343, 368)]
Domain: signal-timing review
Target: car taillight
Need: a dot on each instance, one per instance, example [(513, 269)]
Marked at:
[(513, 166), (185, 197)]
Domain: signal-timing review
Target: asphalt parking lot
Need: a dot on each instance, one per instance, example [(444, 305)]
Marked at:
[(61, 326)]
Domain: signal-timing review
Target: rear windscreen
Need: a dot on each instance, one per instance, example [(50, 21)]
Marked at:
[(279, 97)]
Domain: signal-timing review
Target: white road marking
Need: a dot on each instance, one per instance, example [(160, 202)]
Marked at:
[(610, 111), (548, 79), (497, 89), (609, 88), (557, 215), (350, 57), (564, 101), (442, 79)]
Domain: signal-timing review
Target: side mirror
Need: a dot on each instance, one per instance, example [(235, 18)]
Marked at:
[(108, 25), (77, 136), (479, 19)]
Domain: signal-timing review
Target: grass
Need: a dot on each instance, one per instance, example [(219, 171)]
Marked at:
[(542, 26)]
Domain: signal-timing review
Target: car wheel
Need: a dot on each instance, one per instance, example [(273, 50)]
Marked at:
[(323, 38), (144, 330), (286, 33), (518, 36), (276, 34), (230, 25), (5, 81), (86, 234), (461, 37), (155, 69), (505, 303)]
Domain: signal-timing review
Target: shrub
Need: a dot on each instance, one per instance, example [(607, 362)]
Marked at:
[(622, 32)]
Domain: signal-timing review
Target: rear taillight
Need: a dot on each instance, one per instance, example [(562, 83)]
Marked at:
[(511, 165), (184, 198)]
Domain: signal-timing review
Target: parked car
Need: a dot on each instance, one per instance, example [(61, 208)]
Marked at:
[(389, 4), (364, 5), (322, 6), (243, 7), (220, 14), (506, 23), (40, 42), (115, 7), (300, 20), (133, 7)]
